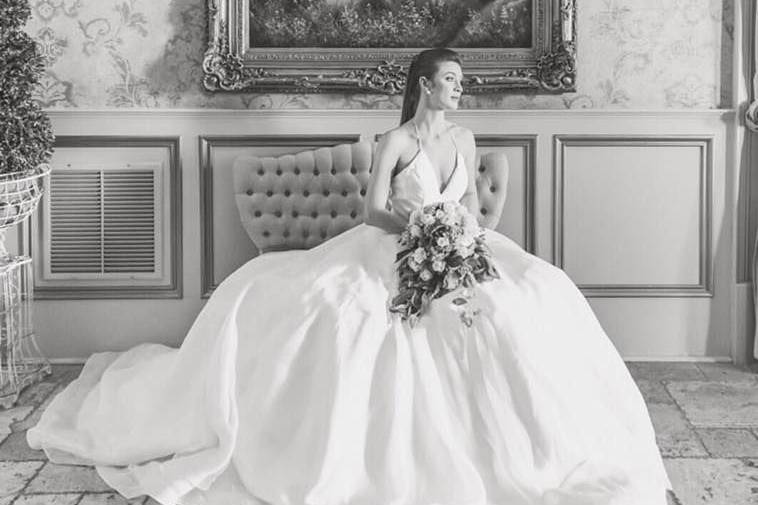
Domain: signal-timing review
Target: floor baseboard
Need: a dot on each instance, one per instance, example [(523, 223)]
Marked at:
[(683, 359), (67, 361)]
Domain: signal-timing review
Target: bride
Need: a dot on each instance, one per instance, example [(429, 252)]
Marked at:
[(296, 386)]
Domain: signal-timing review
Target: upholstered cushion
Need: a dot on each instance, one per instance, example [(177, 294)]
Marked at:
[(491, 187), (297, 201)]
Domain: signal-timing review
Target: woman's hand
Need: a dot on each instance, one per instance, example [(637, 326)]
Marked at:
[(387, 221)]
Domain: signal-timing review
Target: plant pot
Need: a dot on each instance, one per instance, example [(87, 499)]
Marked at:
[(20, 193)]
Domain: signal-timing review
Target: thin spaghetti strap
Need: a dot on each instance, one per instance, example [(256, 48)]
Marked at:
[(418, 137), (452, 137)]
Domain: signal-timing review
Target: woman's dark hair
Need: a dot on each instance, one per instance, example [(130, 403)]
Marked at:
[(424, 64)]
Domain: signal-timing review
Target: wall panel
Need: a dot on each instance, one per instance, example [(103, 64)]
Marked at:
[(517, 219), (633, 214), (641, 323)]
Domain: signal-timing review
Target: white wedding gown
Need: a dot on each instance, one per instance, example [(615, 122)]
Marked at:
[(296, 386)]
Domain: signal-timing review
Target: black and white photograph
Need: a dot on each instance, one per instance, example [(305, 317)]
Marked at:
[(378, 252)]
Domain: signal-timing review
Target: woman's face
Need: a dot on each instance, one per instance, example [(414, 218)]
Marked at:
[(444, 90)]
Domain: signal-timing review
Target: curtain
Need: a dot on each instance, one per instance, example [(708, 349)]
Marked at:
[(751, 121), (751, 117)]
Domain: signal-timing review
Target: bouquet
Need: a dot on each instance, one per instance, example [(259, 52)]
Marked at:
[(442, 250)]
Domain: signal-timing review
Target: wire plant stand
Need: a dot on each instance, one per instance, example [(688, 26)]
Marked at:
[(21, 361)]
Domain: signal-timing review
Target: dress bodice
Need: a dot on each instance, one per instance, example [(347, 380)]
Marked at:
[(418, 184)]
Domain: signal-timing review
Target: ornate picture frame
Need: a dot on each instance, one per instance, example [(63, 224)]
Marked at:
[(231, 64)]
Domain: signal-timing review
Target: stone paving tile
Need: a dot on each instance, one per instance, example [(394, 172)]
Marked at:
[(712, 481), (110, 499), (67, 478), (654, 391), (35, 394), (33, 419), (64, 373), (15, 448), (674, 436), (727, 372), (48, 499), (729, 442), (61, 376), (699, 481), (14, 415), (664, 370), (15, 475), (709, 404)]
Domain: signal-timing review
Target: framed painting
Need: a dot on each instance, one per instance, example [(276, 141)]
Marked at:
[(366, 45)]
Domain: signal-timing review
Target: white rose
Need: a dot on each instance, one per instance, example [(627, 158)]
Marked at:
[(415, 230), (463, 241), (443, 242), (449, 220), (415, 266), (426, 275), (426, 220), (419, 254), (438, 266), (471, 224)]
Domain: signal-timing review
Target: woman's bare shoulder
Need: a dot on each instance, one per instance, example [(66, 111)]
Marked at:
[(398, 133), (396, 138), (463, 136)]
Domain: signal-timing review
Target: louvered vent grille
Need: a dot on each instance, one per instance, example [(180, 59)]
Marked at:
[(102, 221)]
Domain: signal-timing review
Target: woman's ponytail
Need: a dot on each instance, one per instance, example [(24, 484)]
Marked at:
[(424, 64)]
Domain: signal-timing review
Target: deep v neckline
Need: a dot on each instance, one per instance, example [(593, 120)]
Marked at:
[(437, 175), (440, 188)]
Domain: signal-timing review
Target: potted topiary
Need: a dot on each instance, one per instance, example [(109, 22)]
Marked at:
[(26, 141), (26, 136)]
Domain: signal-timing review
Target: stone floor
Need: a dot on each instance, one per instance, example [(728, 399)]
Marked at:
[(705, 416)]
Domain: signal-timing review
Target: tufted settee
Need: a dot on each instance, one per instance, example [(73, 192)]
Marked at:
[(297, 201)]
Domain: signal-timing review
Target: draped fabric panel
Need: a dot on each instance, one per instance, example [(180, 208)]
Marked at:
[(751, 121), (751, 117)]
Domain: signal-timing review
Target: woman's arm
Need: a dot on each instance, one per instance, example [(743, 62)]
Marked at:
[(470, 198), (385, 159)]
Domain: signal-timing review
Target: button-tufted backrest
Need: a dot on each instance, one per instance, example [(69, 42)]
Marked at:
[(491, 187), (297, 201)]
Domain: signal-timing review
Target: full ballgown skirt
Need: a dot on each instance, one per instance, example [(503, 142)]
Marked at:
[(296, 386)]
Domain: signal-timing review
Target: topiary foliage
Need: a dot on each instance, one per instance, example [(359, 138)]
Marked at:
[(26, 136)]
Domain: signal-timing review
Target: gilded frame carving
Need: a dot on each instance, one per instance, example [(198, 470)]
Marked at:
[(230, 64)]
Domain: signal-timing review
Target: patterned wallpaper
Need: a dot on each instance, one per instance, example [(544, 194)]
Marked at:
[(148, 53)]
